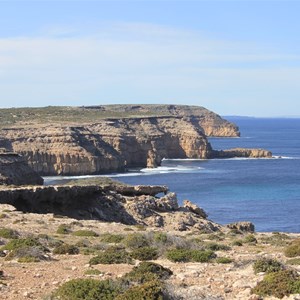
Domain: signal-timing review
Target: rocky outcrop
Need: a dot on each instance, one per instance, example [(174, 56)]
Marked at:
[(242, 226), (86, 141), (106, 203), (241, 152), (14, 170)]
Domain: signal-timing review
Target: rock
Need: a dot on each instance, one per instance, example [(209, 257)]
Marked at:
[(14, 170), (194, 208), (242, 226), (115, 144), (136, 190), (241, 152)]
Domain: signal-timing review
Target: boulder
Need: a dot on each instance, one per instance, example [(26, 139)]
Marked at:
[(194, 208)]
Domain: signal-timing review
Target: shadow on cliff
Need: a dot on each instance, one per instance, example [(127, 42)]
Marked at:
[(82, 203)]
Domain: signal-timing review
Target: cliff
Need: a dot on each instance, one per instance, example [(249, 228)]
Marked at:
[(14, 170), (102, 139), (124, 204)]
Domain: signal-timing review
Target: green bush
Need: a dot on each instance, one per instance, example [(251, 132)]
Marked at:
[(144, 253), (202, 255), (293, 250), (276, 239), (111, 256), (87, 289), (8, 233), (111, 238), (20, 243), (27, 254), (267, 265), (151, 290), (217, 247), (224, 260), (160, 237), (237, 243), (136, 240), (92, 272), (85, 233), (178, 255), (148, 271), (187, 255), (294, 261), (66, 249), (63, 229), (250, 239), (278, 284)]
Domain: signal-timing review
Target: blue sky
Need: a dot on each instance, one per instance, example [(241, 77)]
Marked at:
[(233, 57)]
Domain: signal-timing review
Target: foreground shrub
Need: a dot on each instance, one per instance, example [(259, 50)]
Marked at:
[(217, 247), (87, 289), (111, 256), (63, 229), (250, 239), (92, 272), (151, 290), (27, 254), (148, 271), (293, 261), (136, 240), (8, 233), (278, 284), (66, 249), (85, 233), (20, 243), (112, 238), (293, 250), (267, 266), (187, 255), (160, 237), (223, 260), (145, 253)]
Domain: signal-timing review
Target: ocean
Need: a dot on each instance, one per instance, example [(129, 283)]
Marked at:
[(263, 191)]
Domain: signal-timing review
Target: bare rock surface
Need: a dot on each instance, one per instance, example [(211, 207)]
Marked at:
[(14, 170), (99, 139)]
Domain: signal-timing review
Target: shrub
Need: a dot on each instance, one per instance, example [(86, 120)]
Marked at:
[(8, 233), (27, 254), (111, 256), (140, 227), (92, 272), (178, 255), (160, 237), (87, 289), (3, 216), (136, 240), (128, 229), (217, 247), (202, 256), (237, 243), (186, 255), (112, 238), (66, 249), (20, 243), (293, 261), (293, 250), (144, 253), (250, 239), (267, 265), (278, 284), (85, 233), (151, 290), (224, 260), (276, 239), (63, 229), (148, 271)]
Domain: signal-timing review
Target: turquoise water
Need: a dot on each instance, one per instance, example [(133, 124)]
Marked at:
[(263, 191)]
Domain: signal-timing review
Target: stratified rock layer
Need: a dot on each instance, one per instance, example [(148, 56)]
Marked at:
[(14, 170), (135, 205)]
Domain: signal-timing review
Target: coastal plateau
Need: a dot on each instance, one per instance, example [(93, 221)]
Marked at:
[(102, 139)]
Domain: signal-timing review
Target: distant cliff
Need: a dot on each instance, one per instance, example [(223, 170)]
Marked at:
[(98, 139)]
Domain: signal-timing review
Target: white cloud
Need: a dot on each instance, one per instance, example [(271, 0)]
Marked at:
[(139, 63)]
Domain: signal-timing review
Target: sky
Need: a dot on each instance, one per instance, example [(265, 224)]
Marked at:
[(233, 57)]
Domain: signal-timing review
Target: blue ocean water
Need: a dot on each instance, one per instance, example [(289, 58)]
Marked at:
[(263, 191)]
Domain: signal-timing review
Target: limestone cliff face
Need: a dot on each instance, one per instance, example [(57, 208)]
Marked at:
[(109, 145), (14, 170), (242, 152)]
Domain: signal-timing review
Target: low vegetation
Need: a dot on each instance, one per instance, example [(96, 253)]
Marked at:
[(293, 250), (187, 255), (88, 233), (267, 266), (8, 233), (66, 249), (111, 256)]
